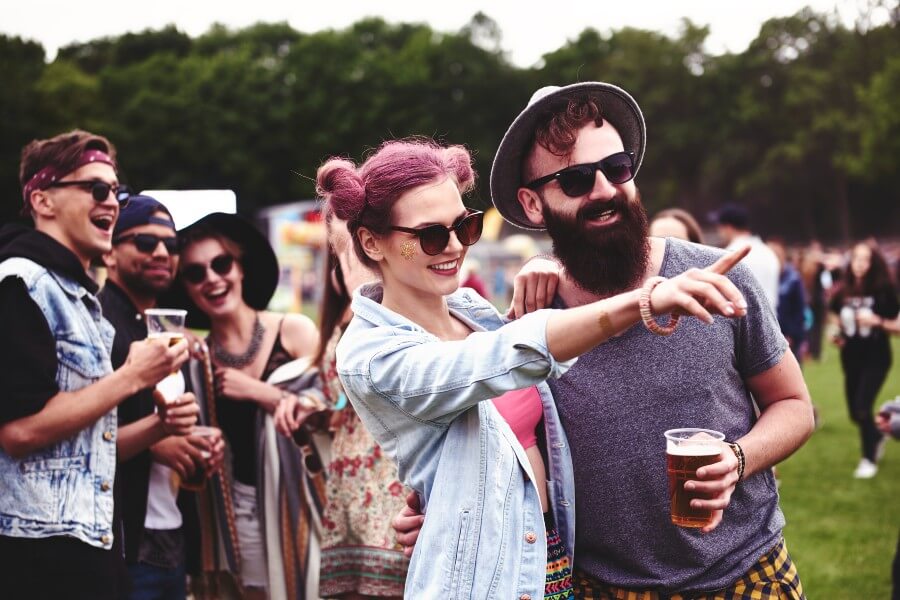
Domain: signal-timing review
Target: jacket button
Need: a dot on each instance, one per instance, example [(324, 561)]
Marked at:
[(525, 597), (531, 538), (104, 539), (104, 486), (108, 436)]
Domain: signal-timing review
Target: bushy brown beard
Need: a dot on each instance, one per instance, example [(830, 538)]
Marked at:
[(603, 261)]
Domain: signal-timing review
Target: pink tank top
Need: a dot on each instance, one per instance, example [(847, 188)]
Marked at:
[(523, 410)]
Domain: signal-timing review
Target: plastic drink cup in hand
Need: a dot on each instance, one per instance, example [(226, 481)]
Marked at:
[(686, 451), (863, 313), (165, 323), (210, 435)]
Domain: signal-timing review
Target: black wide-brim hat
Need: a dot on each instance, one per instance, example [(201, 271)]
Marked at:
[(259, 264), (617, 107)]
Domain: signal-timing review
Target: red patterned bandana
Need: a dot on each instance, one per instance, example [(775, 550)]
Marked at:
[(49, 175)]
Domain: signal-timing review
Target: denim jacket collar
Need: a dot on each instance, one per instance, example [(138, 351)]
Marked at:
[(366, 304)]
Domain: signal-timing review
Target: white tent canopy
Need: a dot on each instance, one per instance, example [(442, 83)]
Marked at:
[(189, 206)]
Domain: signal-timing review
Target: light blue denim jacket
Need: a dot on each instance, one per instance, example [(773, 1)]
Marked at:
[(67, 488), (423, 401)]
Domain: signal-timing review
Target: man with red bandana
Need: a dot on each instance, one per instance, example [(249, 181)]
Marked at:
[(58, 405)]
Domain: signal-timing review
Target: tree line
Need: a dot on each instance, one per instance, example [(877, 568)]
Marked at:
[(802, 127)]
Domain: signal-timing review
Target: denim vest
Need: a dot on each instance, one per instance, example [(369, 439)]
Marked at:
[(424, 402), (65, 489)]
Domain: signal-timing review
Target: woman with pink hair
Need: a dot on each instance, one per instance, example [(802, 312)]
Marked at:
[(453, 393)]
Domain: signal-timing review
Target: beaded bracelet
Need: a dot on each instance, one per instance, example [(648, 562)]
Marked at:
[(739, 453), (647, 314)]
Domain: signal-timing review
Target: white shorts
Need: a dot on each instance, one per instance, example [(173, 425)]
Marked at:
[(253, 553)]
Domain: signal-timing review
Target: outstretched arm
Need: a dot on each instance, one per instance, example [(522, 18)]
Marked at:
[(696, 292), (518, 354)]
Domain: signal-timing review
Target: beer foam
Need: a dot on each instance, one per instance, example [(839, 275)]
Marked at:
[(692, 449)]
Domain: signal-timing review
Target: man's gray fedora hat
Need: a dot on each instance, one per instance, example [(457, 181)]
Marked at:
[(616, 106)]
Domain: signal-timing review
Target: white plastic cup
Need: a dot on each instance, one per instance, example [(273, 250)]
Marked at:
[(165, 323)]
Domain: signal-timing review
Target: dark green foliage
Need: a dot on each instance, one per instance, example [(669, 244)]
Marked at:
[(802, 126)]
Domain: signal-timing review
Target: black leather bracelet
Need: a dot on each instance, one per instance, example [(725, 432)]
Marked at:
[(739, 453)]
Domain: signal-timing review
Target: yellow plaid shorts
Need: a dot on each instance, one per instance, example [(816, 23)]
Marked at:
[(774, 577)]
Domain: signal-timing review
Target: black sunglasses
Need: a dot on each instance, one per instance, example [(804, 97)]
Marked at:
[(147, 242), (578, 180), (312, 460), (196, 273), (99, 189), (434, 238)]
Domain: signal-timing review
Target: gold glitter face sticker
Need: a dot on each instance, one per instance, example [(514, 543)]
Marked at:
[(408, 250)]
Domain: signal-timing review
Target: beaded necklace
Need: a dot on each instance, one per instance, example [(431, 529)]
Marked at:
[(239, 361)]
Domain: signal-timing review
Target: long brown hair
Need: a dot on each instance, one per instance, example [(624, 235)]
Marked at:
[(695, 234), (335, 297), (876, 280)]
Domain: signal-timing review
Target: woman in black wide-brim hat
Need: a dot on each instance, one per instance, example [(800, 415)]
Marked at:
[(257, 358)]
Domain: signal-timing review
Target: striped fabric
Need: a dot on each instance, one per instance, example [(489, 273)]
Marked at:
[(774, 577), (364, 570), (296, 505), (558, 585)]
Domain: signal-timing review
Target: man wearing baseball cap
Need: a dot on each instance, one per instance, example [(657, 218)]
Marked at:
[(60, 392), (567, 165), (157, 520), (733, 224)]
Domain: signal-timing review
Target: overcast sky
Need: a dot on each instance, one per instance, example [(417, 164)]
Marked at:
[(529, 28)]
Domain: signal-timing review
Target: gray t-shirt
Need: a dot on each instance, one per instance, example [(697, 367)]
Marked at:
[(615, 404)]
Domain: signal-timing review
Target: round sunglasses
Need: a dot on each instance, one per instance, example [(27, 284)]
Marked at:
[(147, 242), (578, 180), (196, 273), (99, 189), (434, 238)]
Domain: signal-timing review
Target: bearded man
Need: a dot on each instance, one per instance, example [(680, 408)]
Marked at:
[(567, 165)]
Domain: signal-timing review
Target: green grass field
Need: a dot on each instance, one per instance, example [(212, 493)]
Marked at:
[(841, 531)]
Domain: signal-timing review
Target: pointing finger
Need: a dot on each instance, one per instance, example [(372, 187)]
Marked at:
[(725, 263)]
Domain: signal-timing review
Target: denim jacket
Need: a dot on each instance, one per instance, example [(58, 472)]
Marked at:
[(67, 488), (424, 402)]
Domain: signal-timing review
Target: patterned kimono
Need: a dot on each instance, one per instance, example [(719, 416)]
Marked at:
[(359, 550)]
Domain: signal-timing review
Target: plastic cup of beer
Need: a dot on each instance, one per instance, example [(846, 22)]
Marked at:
[(687, 450), (165, 323), (198, 479)]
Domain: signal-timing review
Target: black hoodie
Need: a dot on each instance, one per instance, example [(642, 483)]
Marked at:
[(28, 360), (28, 365), (25, 242)]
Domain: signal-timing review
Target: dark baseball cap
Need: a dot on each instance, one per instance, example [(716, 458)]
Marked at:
[(731, 214), (141, 210)]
